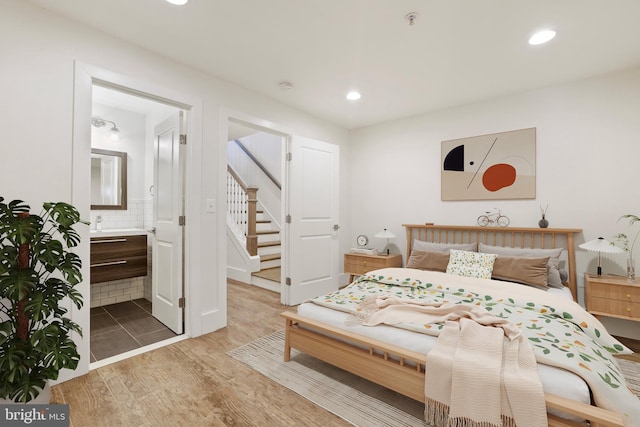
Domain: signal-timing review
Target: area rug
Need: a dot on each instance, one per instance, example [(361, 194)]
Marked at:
[(631, 371), (356, 400)]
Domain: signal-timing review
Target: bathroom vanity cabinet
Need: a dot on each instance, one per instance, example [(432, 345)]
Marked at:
[(115, 257)]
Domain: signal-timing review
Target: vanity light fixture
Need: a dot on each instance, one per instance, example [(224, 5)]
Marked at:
[(353, 95), (100, 123), (178, 2), (541, 37)]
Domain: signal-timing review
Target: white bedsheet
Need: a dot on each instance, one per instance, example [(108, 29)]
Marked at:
[(554, 380)]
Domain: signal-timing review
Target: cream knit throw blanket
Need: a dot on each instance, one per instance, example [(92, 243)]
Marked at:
[(481, 373)]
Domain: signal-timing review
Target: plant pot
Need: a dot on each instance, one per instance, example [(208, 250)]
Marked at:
[(43, 398)]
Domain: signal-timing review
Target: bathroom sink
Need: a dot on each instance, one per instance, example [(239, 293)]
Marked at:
[(118, 232)]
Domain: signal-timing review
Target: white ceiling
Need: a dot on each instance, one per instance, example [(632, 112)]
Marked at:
[(458, 51)]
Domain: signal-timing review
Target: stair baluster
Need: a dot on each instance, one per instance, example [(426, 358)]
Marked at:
[(241, 208)]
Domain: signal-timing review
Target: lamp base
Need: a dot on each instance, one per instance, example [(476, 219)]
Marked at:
[(599, 271)]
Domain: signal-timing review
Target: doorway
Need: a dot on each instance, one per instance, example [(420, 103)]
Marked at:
[(309, 215), (129, 309), (255, 160)]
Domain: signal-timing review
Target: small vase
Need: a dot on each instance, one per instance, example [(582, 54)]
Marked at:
[(543, 223), (631, 269)]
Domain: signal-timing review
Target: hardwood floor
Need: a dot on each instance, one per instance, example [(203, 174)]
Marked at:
[(193, 382)]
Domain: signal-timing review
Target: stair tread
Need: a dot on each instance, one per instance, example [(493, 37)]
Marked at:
[(264, 244), (269, 257), (268, 232)]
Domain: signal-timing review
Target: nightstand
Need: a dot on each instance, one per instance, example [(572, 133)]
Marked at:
[(612, 296), (358, 264)]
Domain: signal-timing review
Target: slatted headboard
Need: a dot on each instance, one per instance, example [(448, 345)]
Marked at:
[(512, 237)]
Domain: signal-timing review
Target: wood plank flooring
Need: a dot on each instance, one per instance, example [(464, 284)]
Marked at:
[(193, 382)]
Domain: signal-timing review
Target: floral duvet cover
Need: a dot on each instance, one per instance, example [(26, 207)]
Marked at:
[(559, 330)]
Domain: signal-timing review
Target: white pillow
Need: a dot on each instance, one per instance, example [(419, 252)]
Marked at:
[(471, 264), (420, 245)]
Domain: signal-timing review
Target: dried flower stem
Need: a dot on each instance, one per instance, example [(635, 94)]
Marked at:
[(544, 211)]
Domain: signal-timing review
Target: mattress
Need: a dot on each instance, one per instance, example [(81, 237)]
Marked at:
[(554, 380)]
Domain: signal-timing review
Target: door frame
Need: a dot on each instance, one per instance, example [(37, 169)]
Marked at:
[(85, 76), (286, 133)]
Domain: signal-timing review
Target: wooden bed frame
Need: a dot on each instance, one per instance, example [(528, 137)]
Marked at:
[(402, 370), (511, 237)]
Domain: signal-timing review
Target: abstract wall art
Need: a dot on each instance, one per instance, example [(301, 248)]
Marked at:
[(490, 167)]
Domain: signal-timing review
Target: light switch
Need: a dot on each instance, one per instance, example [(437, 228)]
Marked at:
[(211, 205)]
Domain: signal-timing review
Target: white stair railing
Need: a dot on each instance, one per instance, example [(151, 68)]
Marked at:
[(241, 210)]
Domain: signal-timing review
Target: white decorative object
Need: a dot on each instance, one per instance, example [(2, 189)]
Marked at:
[(600, 245), (386, 234)]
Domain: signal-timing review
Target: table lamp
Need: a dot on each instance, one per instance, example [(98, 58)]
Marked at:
[(600, 245), (386, 234)]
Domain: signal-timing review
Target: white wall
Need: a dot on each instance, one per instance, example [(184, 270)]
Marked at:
[(268, 150), (588, 149), (37, 117)]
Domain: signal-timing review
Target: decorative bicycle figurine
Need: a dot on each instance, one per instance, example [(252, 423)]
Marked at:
[(493, 218)]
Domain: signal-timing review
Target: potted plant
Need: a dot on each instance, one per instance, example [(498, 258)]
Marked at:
[(628, 247), (37, 272)]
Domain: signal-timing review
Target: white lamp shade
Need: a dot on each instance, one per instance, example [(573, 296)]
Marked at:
[(601, 245), (385, 234)]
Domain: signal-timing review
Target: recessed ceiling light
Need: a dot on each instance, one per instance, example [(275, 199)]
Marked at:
[(353, 95), (178, 2), (542, 37)]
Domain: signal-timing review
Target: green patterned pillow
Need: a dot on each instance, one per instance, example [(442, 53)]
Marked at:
[(471, 264)]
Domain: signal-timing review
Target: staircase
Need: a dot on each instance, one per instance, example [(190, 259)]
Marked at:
[(269, 250), (253, 223)]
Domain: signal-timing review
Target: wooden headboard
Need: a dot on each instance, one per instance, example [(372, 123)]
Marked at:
[(512, 237)]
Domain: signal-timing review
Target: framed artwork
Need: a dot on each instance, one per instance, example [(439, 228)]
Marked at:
[(490, 167)]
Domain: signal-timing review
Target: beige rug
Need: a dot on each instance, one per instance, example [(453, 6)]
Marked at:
[(352, 398), (631, 371)]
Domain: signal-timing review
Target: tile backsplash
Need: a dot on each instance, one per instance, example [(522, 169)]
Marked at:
[(116, 291), (137, 215)]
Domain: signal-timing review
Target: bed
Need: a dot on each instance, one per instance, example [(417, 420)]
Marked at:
[(389, 356)]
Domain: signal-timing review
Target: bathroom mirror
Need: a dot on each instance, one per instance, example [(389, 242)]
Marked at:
[(108, 179)]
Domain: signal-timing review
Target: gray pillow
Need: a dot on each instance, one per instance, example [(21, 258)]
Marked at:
[(420, 245), (553, 274)]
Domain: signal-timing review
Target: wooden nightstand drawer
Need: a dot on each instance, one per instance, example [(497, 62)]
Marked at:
[(358, 264), (614, 292), (610, 307), (612, 296)]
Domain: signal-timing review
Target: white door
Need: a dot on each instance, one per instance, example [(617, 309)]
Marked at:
[(167, 210), (313, 200)]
